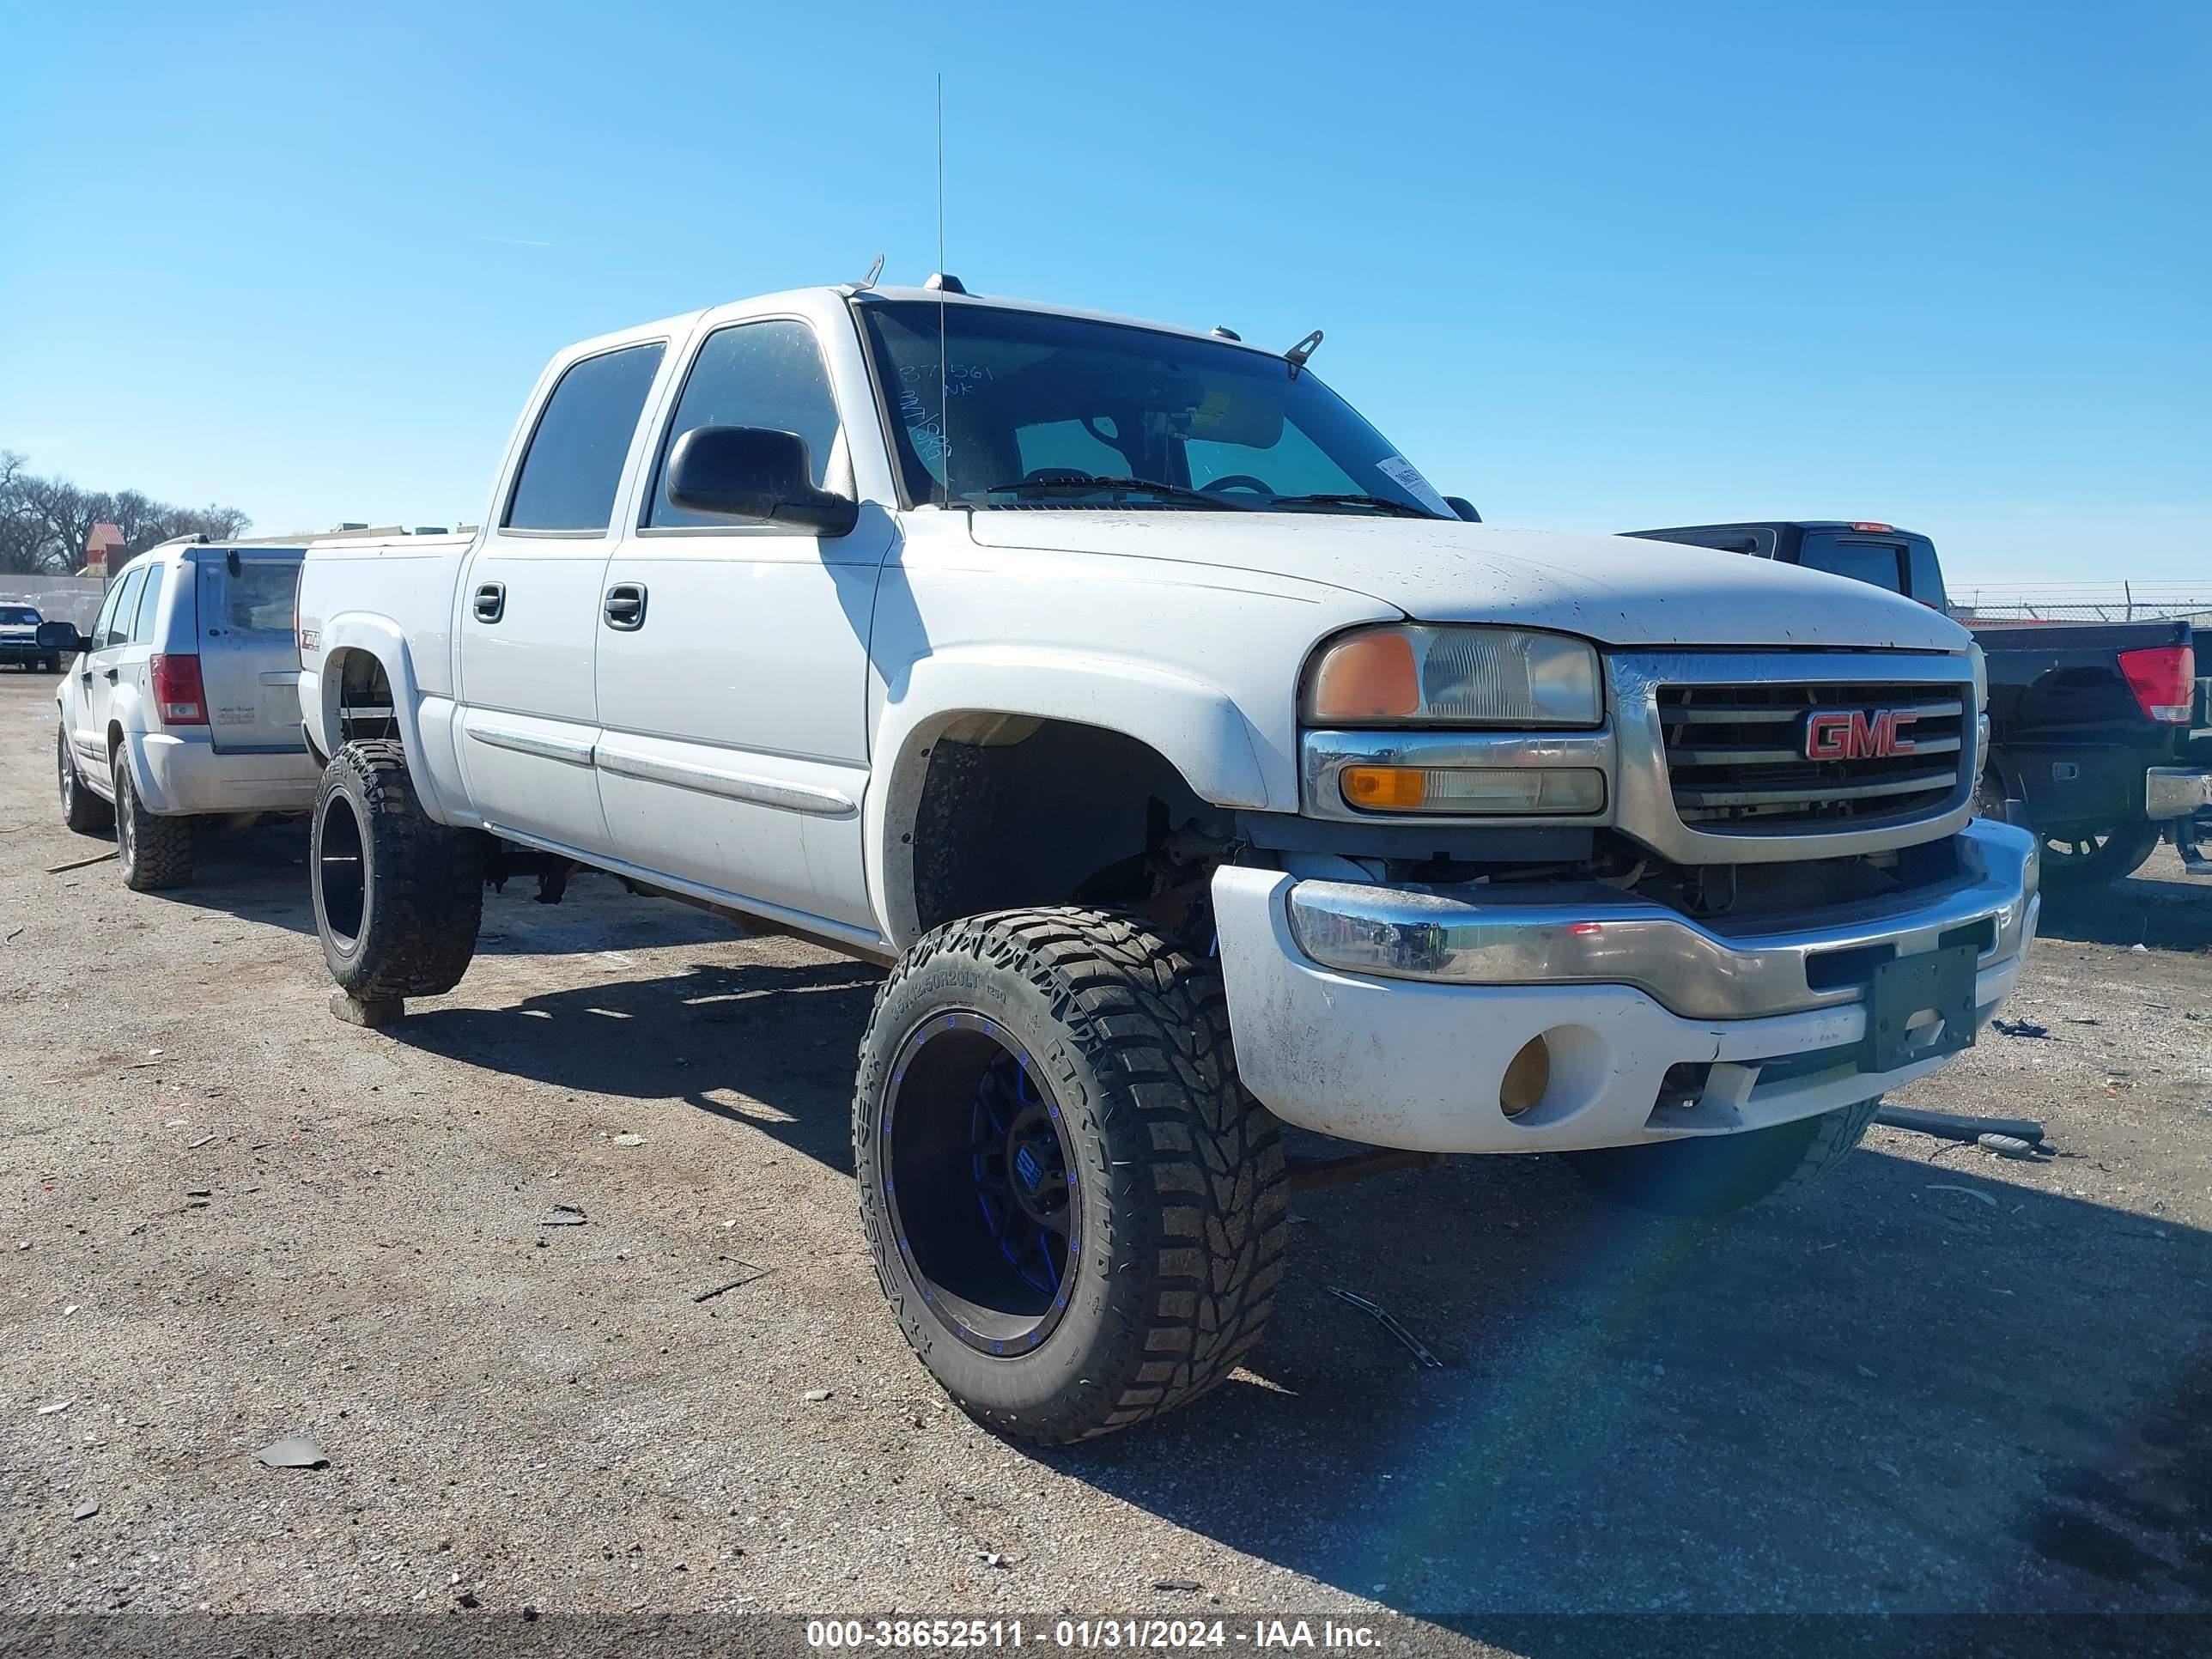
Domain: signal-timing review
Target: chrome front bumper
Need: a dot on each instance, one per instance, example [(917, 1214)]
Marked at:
[(1593, 934), (2175, 791)]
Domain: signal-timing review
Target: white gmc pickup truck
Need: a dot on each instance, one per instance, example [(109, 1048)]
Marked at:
[(1195, 767)]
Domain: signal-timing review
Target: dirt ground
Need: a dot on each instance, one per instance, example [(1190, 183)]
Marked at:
[(1944, 1383)]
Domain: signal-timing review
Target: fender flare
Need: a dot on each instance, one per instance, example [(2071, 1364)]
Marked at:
[(384, 640), (1197, 728)]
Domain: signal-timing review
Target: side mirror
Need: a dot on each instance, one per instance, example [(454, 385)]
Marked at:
[(756, 474), (62, 636), (1464, 507)]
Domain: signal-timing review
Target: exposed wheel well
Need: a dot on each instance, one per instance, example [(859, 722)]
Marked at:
[(1018, 812), (114, 739), (363, 690)]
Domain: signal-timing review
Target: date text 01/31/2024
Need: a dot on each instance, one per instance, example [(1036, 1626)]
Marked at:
[(933, 1634)]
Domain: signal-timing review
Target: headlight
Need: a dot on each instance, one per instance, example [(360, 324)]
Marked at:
[(1445, 675)]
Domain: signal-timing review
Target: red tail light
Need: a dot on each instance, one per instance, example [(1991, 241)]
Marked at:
[(177, 697), (2164, 679)]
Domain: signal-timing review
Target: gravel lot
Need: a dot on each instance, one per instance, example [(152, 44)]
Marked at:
[(1944, 1383)]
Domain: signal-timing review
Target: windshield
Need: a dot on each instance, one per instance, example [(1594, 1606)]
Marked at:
[(1039, 409), (18, 615)]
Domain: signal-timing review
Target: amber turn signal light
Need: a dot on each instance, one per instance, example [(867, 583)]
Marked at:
[(1385, 788)]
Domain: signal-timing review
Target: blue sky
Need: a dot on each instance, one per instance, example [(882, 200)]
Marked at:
[(1596, 267)]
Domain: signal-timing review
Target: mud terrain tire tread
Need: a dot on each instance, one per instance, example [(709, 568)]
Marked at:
[(156, 853), (422, 882), (1196, 1225)]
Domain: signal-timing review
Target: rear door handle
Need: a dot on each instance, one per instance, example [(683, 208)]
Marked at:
[(625, 606), (491, 602), (114, 674)]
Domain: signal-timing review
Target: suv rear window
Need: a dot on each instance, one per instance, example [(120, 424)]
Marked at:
[(258, 599)]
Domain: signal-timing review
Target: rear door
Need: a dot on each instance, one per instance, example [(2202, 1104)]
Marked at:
[(87, 709), (240, 610), (101, 669), (531, 604)]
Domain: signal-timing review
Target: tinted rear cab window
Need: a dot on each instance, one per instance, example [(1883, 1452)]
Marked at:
[(1902, 564)]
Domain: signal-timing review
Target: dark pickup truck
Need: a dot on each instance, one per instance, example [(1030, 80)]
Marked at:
[(2102, 730)]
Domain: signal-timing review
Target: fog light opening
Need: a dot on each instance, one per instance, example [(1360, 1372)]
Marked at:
[(1527, 1078)]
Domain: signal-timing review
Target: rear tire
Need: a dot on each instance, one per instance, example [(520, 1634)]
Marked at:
[(1713, 1175), (398, 896), (1081, 1218), (2075, 863), (156, 853), (81, 810)]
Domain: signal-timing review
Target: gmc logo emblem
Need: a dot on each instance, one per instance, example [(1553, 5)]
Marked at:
[(1858, 733)]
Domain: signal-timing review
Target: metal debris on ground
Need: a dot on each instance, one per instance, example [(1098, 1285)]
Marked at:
[(85, 1510), (2020, 1028), (58, 1406), (297, 1453), (2007, 1146), (1945, 1187), (1951, 1126), (194, 1145), (561, 1215), (1174, 1583), (1382, 1316), (815, 1394)]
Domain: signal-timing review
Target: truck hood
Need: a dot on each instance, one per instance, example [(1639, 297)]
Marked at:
[(1614, 589)]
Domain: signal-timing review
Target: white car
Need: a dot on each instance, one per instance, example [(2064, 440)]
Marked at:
[(1196, 766), (180, 705)]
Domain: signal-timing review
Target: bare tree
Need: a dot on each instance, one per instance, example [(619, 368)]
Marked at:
[(44, 523)]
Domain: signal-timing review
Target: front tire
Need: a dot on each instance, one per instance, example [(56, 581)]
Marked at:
[(1078, 1215), (398, 896), (155, 853), (1713, 1175), (81, 810)]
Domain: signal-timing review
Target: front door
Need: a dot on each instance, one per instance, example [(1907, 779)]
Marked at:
[(530, 608), (733, 695)]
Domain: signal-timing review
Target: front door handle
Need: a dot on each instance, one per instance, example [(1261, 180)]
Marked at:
[(491, 602), (625, 606)]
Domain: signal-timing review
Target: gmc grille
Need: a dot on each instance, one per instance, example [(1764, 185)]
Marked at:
[(1736, 755)]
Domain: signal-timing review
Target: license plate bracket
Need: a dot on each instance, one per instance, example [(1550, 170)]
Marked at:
[(1941, 982)]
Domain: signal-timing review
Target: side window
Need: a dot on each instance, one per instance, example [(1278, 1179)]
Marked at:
[(768, 374), (1927, 575), (149, 603), (107, 615), (574, 466), (117, 628)]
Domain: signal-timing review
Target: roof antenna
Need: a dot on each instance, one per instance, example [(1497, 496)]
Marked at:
[(944, 408), (869, 281), (1297, 356)]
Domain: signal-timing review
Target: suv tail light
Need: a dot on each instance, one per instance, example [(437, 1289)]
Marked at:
[(177, 697), (2164, 679)]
